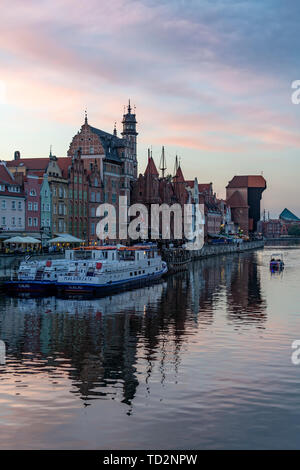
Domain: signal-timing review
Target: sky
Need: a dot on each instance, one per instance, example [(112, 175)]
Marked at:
[(211, 81)]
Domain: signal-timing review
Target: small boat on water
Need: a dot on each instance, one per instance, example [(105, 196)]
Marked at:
[(276, 262), (90, 270), (112, 269)]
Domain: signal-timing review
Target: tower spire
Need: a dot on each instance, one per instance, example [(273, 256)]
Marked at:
[(115, 129), (129, 107), (162, 165), (85, 117), (176, 165)]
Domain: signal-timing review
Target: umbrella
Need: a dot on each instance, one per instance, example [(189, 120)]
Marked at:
[(66, 238), (18, 239)]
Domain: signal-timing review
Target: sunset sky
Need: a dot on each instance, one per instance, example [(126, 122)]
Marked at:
[(210, 80)]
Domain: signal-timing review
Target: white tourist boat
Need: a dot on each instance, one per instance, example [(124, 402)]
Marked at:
[(90, 270), (111, 268)]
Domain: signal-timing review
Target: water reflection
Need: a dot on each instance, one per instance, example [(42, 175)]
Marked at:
[(98, 342)]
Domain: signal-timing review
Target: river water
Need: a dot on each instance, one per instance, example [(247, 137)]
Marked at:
[(201, 360)]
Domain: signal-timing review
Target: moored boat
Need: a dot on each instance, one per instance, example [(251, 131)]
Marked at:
[(36, 276), (112, 269)]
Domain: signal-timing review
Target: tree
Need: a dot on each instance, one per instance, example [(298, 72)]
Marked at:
[(294, 230)]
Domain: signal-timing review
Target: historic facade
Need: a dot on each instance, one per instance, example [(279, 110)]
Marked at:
[(243, 195), (12, 201)]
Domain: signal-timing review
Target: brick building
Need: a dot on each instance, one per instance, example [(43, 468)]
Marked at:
[(243, 195)]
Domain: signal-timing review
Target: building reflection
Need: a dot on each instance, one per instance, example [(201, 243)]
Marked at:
[(98, 343), (244, 299)]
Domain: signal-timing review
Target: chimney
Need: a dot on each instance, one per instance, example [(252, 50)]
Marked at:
[(17, 155)]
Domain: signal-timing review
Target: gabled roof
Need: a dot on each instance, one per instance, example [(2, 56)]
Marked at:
[(236, 200), (151, 168), (5, 175), (248, 181), (178, 178), (287, 215), (110, 143)]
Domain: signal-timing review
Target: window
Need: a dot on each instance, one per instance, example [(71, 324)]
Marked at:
[(91, 149), (30, 206), (55, 209), (93, 197), (93, 228), (35, 222), (20, 222), (30, 221), (3, 204), (32, 192), (93, 211), (2, 187), (35, 206), (13, 221), (13, 205), (20, 205), (96, 182), (48, 206), (3, 220), (98, 197), (61, 193)]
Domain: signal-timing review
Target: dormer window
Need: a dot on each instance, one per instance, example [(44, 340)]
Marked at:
[(32, 192)]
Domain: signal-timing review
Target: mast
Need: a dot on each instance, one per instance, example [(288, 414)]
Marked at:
[(163, 165)]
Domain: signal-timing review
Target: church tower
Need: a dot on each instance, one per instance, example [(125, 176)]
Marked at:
[(130, 136)]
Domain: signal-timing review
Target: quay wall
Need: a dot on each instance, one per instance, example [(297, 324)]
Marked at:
[(214, 250)]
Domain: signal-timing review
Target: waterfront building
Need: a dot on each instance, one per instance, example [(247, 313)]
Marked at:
[(243, 195), (12, 201), (46, 211), (32, 189), (212, 210)]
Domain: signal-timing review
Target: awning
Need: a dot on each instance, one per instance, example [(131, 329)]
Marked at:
[(27, 240), (66, 238)]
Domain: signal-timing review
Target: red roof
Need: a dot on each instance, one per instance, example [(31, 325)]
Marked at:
[(151, 168), (64, 163), (179, 176), (5, 175), (204, 187), (247, 181), (30, 163)]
